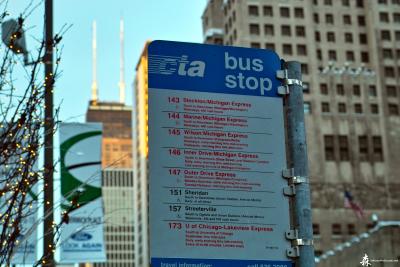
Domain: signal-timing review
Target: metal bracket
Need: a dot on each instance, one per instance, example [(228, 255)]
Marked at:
[(283, 75), (289, 190), (292, 234), (293, 179), (293, 252), (304, 242)]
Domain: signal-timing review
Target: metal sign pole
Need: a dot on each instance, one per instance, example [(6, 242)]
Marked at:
[(298, 165), (48, 234)]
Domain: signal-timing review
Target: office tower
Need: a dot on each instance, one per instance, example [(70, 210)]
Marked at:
[(350, 55), (118, 199), (140, 159), (117, 174), (115, 116)]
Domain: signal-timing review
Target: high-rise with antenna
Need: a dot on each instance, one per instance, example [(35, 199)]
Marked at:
[(117, 175), (94, 98), (121, 83)]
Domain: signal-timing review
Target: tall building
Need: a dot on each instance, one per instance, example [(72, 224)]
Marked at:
[(117, 188), (350, 55), (115, 116), (140, 159), (117, 132), (117, 174)]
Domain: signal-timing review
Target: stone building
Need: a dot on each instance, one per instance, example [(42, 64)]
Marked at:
[(350, 56)]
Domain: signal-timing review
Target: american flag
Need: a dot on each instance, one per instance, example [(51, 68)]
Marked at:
[(349, 203)]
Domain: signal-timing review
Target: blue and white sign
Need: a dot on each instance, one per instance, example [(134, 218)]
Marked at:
[(216, 154)]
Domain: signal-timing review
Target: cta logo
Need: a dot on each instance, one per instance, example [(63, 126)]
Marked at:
[(81, 236), (168, 65)]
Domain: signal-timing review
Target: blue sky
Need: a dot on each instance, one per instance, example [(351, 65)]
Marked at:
[(178, 20)]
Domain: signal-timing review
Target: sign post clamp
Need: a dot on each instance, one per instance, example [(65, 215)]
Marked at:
[(283, 75)]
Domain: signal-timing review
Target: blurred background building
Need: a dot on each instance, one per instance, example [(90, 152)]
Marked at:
[(117, 174), (350, 55), (140, 156)]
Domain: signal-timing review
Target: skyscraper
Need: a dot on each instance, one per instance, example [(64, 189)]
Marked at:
[(117, 174), (140, 159), (350, 55)]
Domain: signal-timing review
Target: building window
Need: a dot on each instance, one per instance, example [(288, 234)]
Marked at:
[(319, 54), (286, 30), (323, 88), (316, 230), (351, 229), (348, 37), (377, 148), (316, 18), (350, 56), (344, 148), (364, 57), (268, 11), (384, 17), (336, 229), (358, 108), (268, 29), (347, 19), (393, 109), (329, 148), (397, 35), (253, 10), (304, 68), (389, 72), (330, 36), (332, 55), (328, 2), (346, 2), (299, 12), (363, 147), (372, 90), (360, 3), (391, 91), (285, 12), (301, 50), (387, 53), (385, 35), (374, 109), (342, 108), (300, 31), (270, 46), (363, 38), (255, 29), (255, 45), (325, 107), (383, 2), (356, 90), (361, 20), (306, 88), (329, 19), (287, 49), (340, 89), (317, 37), (396, 17), (307, 107)]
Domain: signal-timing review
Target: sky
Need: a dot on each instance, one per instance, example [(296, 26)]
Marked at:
[(176, 20)]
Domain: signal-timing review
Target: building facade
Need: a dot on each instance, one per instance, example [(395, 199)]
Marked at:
[(350, 56), (117, 181), (140, 159), (118, 197), (117, 132)]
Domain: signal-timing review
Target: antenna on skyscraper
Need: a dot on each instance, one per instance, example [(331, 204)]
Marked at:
[(94, 64), (121, 83)]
